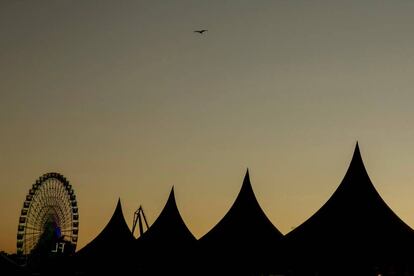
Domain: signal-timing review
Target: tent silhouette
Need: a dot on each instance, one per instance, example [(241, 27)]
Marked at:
[(353, 233), (167, 246), (110, 249), (243, 241), (354, 230)]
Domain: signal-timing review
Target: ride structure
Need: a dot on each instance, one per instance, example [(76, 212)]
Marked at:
[(49, 219), (139, 216)]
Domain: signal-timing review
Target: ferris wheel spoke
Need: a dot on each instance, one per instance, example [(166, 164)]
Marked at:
[(33, 229), (36, 223), (31, 238), (66, 231), (31, 242), (32, 235)]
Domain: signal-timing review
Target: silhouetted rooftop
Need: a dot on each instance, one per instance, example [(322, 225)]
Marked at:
[(168, 228), (167, 245), (244, 238), (245, 222), (115, 240), (355, 219)]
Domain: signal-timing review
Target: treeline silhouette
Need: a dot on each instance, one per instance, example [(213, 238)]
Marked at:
[(353, 233)]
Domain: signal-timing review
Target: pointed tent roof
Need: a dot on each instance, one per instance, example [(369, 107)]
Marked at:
[(355, 219), (245, 222), (169, 228), (114, 237), (166, 247), (244, 240)]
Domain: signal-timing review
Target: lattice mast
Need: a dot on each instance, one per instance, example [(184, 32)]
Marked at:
[(139, 217)]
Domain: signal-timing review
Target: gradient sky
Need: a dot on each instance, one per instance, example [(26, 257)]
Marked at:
[(125, 100)]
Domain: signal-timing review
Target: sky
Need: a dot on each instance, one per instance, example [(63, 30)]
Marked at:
[(125, 100)]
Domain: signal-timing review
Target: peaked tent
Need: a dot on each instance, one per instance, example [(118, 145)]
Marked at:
[(167, 245), (110, 249), (354, 230), (244, 239)]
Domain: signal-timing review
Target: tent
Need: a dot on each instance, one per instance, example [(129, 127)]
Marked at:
[(167, 246), (110, 250), (244, 239), (353, 232)]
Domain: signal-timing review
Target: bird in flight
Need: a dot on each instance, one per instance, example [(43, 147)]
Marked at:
[(200, 31)]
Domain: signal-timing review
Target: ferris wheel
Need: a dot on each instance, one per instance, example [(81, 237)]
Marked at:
[(49, 219)]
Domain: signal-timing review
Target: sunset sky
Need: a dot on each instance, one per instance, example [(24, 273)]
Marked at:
[(125, 100)]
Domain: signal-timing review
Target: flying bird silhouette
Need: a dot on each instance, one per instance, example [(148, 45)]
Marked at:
[(200, 31)]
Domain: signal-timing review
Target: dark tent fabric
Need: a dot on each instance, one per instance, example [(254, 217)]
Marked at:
[(354, 231), (110, 249), (244, 240), (166, 247)]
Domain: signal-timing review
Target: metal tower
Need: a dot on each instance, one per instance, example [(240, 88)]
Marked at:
[(139, 216)]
